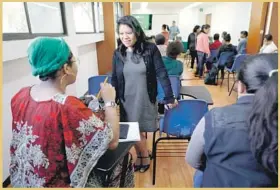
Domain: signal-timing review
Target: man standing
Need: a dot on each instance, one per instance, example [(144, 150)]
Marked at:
[(242, 46), (173, 31)]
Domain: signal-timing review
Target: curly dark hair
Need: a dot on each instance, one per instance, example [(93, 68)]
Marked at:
[(174, 49), (263, 121)]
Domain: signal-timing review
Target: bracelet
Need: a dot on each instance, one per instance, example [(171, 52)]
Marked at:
[(109, 104)]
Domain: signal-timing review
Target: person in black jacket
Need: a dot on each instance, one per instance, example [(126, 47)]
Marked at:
[(237, 145), (192, 44), (227, 47), (137, 65)]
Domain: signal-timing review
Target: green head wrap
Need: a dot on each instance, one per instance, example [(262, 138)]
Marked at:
[(47, 55)]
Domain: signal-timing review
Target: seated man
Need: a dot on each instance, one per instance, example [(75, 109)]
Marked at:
[(227, 47), (173, 66), (160, 42), (216, 44), (268, 45)]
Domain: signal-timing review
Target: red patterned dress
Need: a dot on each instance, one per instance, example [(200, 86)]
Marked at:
[(55, 143)]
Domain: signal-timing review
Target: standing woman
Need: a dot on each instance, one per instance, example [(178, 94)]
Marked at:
[(165, 33), (136, 66), (202, 48), (192, 44)]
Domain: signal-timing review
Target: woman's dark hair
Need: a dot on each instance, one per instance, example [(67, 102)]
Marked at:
[(205, 27), (53, 74), (245, 33), (133, 23), (224, 34), (174, 49), (268, 37), (160, 39), (195, 28), (227, 37), (165, 27), (256, 74), (216, 36)]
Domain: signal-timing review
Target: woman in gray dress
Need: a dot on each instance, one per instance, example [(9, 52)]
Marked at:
[(137, 64)]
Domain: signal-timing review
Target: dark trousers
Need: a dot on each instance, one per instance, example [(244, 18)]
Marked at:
[(201, 61), (194, 56)]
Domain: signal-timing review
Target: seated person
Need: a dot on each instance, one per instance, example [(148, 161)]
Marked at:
[(213, 46), (242, 45), (223, 36), (173, 66), (268, 45), (57, 140), (160, 42), (227, 47), (216, 44), (237, 145)]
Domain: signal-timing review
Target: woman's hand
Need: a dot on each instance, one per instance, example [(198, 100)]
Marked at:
[(108, 92), (170, 106)]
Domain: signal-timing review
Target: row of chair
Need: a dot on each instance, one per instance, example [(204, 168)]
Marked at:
[(238, 60)]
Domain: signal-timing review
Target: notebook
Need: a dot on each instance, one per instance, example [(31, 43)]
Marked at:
[(123, 131)]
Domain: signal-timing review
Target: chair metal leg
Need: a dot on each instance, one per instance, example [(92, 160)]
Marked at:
[(154, 139), (232, 88), (228, 80), (155, 161)]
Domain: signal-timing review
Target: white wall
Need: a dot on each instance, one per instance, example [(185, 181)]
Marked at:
[(232, 17), (160, 17), (188, 18), (17, 73)]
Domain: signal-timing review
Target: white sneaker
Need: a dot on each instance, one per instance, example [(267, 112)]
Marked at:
[(190, 70)]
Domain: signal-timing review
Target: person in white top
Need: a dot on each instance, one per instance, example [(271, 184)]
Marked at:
[(160, 42), (268, 45)]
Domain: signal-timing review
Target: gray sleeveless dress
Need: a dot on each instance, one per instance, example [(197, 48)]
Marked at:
[(137, 104)]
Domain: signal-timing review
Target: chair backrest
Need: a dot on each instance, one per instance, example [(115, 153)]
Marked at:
[(182, 120), (239, 59), (94, 83), (175, 85), (224, 57), (213, 55)]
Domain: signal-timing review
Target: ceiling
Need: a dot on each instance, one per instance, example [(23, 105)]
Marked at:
[(161, 5)]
